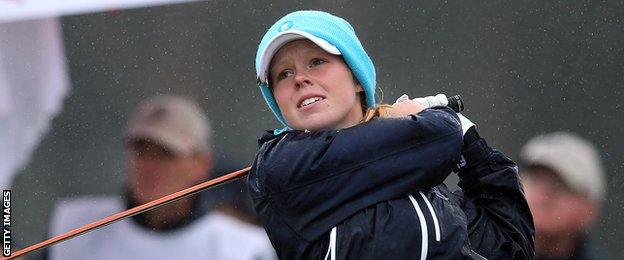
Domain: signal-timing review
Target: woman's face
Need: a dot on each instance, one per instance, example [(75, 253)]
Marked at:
[(314, 89)]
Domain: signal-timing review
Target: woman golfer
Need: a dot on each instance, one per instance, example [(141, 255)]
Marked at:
[(347, 178)]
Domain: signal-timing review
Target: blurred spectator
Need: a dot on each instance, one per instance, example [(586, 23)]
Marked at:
[(565, 185), (168, 149)]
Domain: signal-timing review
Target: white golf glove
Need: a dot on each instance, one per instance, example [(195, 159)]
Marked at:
[(439, 100)]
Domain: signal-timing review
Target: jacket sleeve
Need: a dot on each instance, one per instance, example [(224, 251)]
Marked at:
[(312, 181), (500, 224)]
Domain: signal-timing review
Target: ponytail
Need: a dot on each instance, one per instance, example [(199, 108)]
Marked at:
[(381, 110)]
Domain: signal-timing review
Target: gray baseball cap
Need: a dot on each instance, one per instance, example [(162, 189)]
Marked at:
[(574, 159), (175, 122)]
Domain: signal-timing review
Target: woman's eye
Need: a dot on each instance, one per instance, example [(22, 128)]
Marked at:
[(284, 74), (316, 62)]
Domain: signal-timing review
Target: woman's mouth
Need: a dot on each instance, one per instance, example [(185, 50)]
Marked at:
[(309, 101)]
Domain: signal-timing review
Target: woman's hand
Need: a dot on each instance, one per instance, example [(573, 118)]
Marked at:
[(405, 108)]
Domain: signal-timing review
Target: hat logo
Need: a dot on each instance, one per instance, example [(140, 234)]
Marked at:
[(285, 26)]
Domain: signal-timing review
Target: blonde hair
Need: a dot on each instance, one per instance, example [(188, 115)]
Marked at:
[(381, 110)]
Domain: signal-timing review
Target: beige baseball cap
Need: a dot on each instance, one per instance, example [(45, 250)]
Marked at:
[(175, 122), (573, 158)]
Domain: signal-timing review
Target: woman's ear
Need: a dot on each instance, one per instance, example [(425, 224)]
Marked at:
[(358, 87)]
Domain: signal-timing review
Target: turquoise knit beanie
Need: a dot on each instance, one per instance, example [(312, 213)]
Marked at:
[(331, 33)]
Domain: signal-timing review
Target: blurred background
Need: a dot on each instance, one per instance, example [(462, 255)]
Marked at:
[(522, 67)]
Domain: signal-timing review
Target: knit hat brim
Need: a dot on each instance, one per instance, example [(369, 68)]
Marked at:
[(282, 39)]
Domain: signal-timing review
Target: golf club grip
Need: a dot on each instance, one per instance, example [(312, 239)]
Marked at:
[(456, 103)]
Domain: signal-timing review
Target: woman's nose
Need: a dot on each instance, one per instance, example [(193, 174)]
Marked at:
[(302, 80)]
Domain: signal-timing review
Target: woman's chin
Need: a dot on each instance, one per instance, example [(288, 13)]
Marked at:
[(323, 122), (316, 125), (317, 128)]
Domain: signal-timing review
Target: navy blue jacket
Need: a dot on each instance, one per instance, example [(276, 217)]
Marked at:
[(374, 191)]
